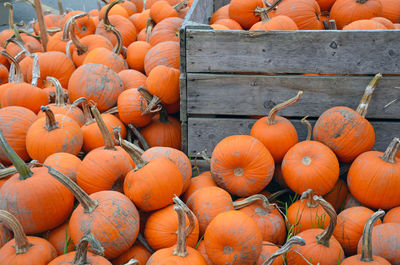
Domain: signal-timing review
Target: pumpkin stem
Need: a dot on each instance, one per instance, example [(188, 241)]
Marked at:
[(118, 139), (42, 24), (262, 12), (23, 170), (189, 214), (149, 28), (81, 48), (20, 44), (132, 262), (59, 91), (139, 136), (51, 123), (391, 152), (143, 241), (60, 7), (133, 153), (80, 257), (326, 235), (309, 127), (67, 25), (108, 141), (295, 240), (106, 21), (181, 250), (309, 195), (113, 110), (68, 51), (118, 47), (275, 195), (153, 102), (88, 204), (163, 115), (10, 15), (366, 99), (250, 200), (22, 245), (271, 116), (18, 78), (366, 245), (9, 171), (35, 69), (205, 156), (86, 111), (178, 7)]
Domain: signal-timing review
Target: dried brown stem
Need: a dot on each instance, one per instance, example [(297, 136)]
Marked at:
[(274, 110), (366, 245), (18, 78), (22, 245), (80, 257), (59, 91), (391, 152), (139, 136), (35, 69), (295, 240), (309, 127), (108, 141), (42, 24), (326, 235), (128, 147), (250, 200), (51, 123), (366, 99), (309, 195)]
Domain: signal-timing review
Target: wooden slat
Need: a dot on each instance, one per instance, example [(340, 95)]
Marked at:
[(220, 3), (205, 133), (329, 52), (200, 12), (247, 95)]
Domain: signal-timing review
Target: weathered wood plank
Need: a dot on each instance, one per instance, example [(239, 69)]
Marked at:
[(247, 95), (200, 12), (205, 133), (321, 52), (220, 3)]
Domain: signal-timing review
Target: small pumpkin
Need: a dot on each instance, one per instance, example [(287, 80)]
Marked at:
[(166, 30), (244, 12), (337, 196), (163, 83), (85, 24), (392, 216), (66, 163), (24, 249), (220, 13), (305, 13), (384, 21), (130, 108), (136, 53), (201, 181), (165, 53), (132, 78), (365, 24), (161, 10)]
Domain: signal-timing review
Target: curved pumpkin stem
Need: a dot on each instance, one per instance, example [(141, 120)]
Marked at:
[(88, 204), (295, 240), (80, 257), (51, 123), (20, 44), (22, 245), (178, 7), (133, 153), (118, 139), (42, 24), (18, 78), (391, 152), (189, 214), (118, 47), (81, 48), (366, 99), (9, 171), (326, 235), (149, 27), (107, 23), (35, 69), (181, 249), (309, 127), (59, 91), (263, 12), (250, 200), (23, 170), (275, 195), (366, 245), (87, 114), (67, 25), (139, 136), (274, 110), (10, 15), (309, 195), (153, 102), (108, 141)]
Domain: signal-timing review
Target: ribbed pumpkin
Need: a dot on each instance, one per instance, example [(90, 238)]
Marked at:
[(346, 131), (306, 214), (82, 254), (275, 132), (229, 23), (267, 217), (24, 250), (106, 57), (139, 20), (178, 157), (346, 11), (391, 10), (137, 251), (349, 228), (14, 123), (152, 185), (130, 108), (52, 134), (392, 216), (166, 30), (321, 247), (163, 83), (180, 254), (206, 203), (161, 10), (34, 185), (220, 13), (201, 181), (310, 165), (271, 255), (136, 53), (103, 168), (132, 78), (61, 107), (382, 171), (165, 53), (244, 12), (85, 24), (115, 10), (276, 23), (150, 3), (95, 82), (386, 242), (365, 24), (109, 215), (161, 226), (60, 238), (66, 163), (233, 238), (305, 13), (30, 43), (242, 165), (384, 21), (366, 256), (337, 196)]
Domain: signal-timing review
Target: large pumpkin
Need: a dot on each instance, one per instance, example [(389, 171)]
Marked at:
[(165, 53), (305, 13), (244, 12)]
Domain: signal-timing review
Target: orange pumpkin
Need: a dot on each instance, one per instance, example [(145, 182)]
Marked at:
[(384, 21), (346, 131), (365, 24), (229, 23), (132, 78), (85, 24), (163, 83), (116, 10), (276, 23), (201, 181), (392, 216), (60, 239), (219, 27), (3, 74), (166, 30), (305, 13), (139, 20), (244, 12), (233, 237), (337, 196), (136, 53), (137, 251), (66, 163), (321, 247), (242, 165), (150, 3), (130, 108), (271, 255), (391, 10), (24, 249), (349, 228), (165, 53), (220, 13), (201, 248), (161, 10), (275, 132)]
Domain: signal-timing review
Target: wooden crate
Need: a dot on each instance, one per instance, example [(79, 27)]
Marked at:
[(222, 80)]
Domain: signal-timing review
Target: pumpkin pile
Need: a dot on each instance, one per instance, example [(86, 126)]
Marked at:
[(92, 173), (307, 15)]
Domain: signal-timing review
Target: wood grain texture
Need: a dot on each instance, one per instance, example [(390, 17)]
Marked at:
[(247, 95), (220, 3), (205, 133), (320, 52), (200, 12)]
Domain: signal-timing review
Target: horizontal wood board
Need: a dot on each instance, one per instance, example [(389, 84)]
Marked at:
[(320, 52), (205, 133), (247, 95)]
